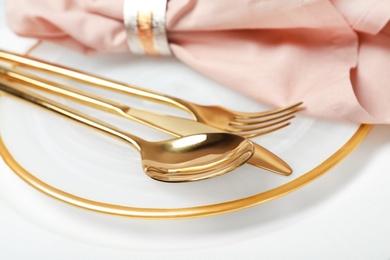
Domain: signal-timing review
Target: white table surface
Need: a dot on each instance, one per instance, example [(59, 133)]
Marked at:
[(347, 216)]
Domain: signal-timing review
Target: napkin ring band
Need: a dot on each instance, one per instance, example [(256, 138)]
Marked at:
[(144, 21)]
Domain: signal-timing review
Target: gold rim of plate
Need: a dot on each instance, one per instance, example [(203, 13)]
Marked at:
[(189, 212)]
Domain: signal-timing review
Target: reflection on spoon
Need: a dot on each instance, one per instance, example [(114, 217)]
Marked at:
[(189, 158)]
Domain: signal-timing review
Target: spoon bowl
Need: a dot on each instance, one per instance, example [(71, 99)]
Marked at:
[(188, 158), (195, 157)]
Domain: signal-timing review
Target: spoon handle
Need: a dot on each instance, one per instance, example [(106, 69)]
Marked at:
[(17, 91)]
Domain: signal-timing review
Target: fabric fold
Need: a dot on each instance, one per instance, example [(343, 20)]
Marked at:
[(332, 55)]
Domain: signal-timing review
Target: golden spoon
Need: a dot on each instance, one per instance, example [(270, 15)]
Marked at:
[(189, 158)]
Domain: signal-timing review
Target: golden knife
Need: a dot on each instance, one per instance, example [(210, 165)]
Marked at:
[(176, 126)]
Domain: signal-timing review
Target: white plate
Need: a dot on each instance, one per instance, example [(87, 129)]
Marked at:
[(75, 159)]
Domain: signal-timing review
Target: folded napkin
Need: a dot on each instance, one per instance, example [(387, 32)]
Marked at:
[(332, 55)]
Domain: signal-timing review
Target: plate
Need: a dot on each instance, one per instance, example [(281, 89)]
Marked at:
[(77, 160)]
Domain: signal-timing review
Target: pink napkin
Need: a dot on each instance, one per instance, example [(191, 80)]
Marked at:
[(332, 55)]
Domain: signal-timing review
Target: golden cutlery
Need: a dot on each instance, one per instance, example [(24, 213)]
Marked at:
[(245, 124), (189, 158), (172, 125)]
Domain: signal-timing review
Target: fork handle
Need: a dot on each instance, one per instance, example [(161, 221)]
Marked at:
[(63, 90), (171, 125), (94, 80)]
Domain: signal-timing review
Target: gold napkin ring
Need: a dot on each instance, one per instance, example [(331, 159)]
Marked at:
[(144, 21)]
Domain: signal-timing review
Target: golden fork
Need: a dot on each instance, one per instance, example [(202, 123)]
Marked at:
[(245, 124)]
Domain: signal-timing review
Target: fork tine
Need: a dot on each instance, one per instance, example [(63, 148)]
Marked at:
[(248, 116), (252, 134), (262, 120), (253, 127)]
